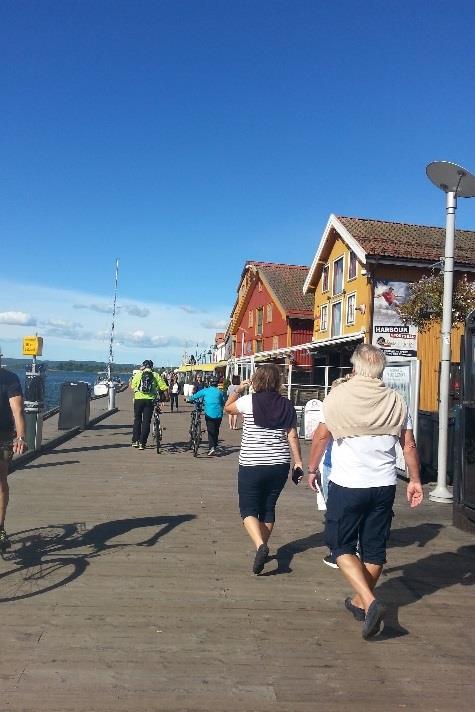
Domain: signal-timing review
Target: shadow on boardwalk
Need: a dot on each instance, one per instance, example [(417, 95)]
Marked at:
[(45, 559)]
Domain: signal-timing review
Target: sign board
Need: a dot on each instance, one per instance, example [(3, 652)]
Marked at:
[(32, 346), (389, 333), (403, 375)]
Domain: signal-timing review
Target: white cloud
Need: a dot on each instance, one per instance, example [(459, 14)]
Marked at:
[(101, 308), (214, 324), (131, 309), (134, 310), (191, 310), (139, 338), (17, 318)]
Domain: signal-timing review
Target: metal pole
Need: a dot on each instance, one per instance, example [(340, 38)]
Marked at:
[(289, 385), (111, 403), (441, 493)]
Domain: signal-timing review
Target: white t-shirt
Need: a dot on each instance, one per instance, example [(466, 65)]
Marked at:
[(366, 460), (260, 446), (175, 388)]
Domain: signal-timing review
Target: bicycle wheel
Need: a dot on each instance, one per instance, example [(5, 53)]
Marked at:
[(196, 438), (158, 436), (39, 577), (191, 432)]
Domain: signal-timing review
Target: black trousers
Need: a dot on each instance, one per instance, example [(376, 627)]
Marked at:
[(143, 411), (212, 426), (174, 400)]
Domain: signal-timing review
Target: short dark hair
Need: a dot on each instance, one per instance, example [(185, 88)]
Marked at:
[(236, 381), (147, 364), (266, 378)]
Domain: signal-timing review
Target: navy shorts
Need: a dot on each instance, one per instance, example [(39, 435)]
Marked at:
[(359, 517), (259, 488)]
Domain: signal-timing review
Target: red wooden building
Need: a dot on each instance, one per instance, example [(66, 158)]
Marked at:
[(271, 312)]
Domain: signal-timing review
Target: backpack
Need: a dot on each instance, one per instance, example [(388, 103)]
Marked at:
[(147, 383)]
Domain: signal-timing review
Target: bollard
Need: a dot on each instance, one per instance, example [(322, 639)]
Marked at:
[(111, 395), (34, 405)]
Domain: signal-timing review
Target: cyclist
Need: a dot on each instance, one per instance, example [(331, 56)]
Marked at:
[(147, 386), (213, 401)]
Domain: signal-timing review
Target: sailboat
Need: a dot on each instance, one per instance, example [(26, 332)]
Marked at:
[(105, 378)]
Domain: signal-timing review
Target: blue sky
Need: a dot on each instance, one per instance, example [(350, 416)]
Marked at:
[(185, 137)]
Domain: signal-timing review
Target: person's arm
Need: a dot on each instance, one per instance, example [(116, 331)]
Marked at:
[(294, 445), (135, 380), (19, 443), (230, 406), (320, 440), (414, 492)]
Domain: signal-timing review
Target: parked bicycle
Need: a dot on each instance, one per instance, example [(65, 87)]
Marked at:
[(157, 430), (195, 428)]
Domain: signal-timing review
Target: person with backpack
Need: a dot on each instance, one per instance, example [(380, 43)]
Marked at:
[(147, 386)]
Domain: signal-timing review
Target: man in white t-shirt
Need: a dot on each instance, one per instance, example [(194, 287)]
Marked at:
[(366, 419)]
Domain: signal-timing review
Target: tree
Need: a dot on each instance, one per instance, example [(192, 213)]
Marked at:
[(425, 304)]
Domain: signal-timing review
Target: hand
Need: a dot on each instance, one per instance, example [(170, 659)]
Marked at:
[(312, 479), (242, 386), (414, 494), (297, 473), (19, 446)]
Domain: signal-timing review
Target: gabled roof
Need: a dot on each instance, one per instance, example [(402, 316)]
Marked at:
[(286, 282), (370, 239)]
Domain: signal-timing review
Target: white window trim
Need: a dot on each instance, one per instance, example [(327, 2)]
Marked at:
[(341, 257), (332, 335), (348, 278), (269, 307), (324, 291), (324, 306), (350, 323)]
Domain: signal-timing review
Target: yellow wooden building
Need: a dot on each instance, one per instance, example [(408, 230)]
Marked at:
[(360, 274)]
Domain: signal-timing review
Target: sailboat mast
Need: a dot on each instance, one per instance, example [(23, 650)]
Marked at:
[(111, 342)]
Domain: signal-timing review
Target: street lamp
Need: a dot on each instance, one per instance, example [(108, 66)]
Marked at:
[(456, 182)]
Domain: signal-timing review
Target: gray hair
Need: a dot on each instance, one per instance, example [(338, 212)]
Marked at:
[(368, 361)]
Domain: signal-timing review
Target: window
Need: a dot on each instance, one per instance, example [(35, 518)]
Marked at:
[(259, 286), (336, 319), (325, 273), (350, 308), (259, 320), (324, 317), (338, 276), (250, 321), (269, 313), (275, 342), (352, 266), (258, 345)]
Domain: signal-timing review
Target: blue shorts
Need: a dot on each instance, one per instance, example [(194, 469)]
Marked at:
[(259, 487), (359, 517)]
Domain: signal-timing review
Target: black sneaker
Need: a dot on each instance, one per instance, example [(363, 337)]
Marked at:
[(5, 542), (373, 619), (357, 612), (330, 560), (260, 559)]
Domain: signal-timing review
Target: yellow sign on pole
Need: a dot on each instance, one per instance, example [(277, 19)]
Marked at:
[(32, 346)]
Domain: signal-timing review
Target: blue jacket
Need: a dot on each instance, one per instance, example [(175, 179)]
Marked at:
[(213, 401)]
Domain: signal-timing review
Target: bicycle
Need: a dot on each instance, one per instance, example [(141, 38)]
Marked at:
[(195, 428), (157, 430)]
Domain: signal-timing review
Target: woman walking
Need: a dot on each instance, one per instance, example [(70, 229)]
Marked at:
[(174, 391), (269, 437), (232, 388)]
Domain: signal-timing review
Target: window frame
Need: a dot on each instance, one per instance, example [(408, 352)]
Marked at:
[(348, 297), (327, 269), (261, 311), (275, 342), (349, 277), (322, 308), (342, 258), (250, 318), (340, 302), (269, 311)]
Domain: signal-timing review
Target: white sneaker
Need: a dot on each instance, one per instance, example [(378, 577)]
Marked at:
[(211, 452)]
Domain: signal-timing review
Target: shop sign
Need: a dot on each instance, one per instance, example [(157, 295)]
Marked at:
[(389, 333)]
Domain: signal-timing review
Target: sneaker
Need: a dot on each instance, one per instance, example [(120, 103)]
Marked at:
[(141, 447), (260, 559), (373, 619), (134, 444), (330, 560), (5, 542), (357, 613), (211, 452)]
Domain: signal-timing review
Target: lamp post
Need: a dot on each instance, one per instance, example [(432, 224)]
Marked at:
[(456, 182)]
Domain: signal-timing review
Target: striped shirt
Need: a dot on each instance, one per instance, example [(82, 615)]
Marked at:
[(260, 446)]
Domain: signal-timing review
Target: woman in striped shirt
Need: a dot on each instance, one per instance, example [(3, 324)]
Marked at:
[(269, 438)]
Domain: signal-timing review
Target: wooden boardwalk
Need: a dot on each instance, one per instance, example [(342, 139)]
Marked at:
[(129, 589)]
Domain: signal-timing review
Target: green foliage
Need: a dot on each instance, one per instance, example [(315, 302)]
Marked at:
[(425, 304)]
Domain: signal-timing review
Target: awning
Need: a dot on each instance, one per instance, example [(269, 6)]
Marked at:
[(309, 346), (201, 367)]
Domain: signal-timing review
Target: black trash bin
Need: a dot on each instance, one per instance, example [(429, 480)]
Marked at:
[(74, 405), (428, 444)]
